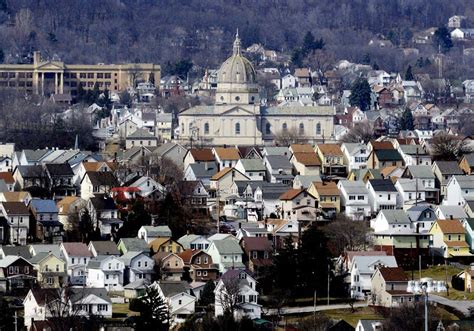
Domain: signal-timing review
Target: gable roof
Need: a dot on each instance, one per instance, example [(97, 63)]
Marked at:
[(59, 169), (7, 176), (291, 194), (105, 247), (393, 274), (102, 178), (30, 171), (253, 164), (449, 167), (307, 159), (363, 263), (388, 155), (256, 244), (202, 154), (421, 171), (22, 251), (103, 203), (450, 226), (171, 288), (158, 231), (134, 244), (227, 153), (76, 249), (383, 185), (330, 149), (326, 188), (43, 206), (141, 133), (278, 162), (15, 208), (228, 246), (396, 216), (378, 145), (203, 170), (302, 148)]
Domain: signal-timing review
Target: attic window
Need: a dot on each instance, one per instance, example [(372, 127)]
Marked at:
[(237, 98)]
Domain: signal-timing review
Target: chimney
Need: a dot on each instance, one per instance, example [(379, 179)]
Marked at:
[(36, 57)]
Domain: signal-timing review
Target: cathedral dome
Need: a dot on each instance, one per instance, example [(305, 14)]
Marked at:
[(237, 69)]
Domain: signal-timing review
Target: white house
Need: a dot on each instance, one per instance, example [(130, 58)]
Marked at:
[(245, 298), (459, 189), (147, 186), (390, 219), (105, 272), (18, 218), (138, 265), (252, 168), (354, 199), (355, 155), (194, 241), (81, 301), (178, 296), (150, 233), (77, 256), (362, 269), (288, 81), (410, 190), (382, 194), (226, 253)]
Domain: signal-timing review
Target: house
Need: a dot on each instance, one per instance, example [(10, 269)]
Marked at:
[(467, 164), (138, 265), (27, 176), (306, 163), (194, 242), (389, 287), (332, 159), (469, 231), (147, 186), (354, 197), (279, 169), (77, 257), (194, 195), (425, 176), (252, 168), (369, 325), (354, 155), (84, 167), (443, 170), (328, 196), (200, 265), (132, 245), (280, 229), (141, 138), (201, 171), (224, 179), (382, 194), (390, 219), (344, 262), (59, 180), (365, 174), (7, 177), (257, 253), (68, 207), (4, 231), (361, 271), (226, 157), (165, 244), (411, 191), (449, 239), (250, 152), (136, 289), (422, 217), (18, 218), (445, 212), (298, 205), (173, 152), (81, 301), (414, 155), (226, 253), (16, 274), (171, 265), (163, 126), (247, 295), (50, 269), (98, 248), (95, 182), (382, 158), (198, 156), (104, 215), (459, 190), (150, 233), (105, 271), (178, 298), (45, 215)]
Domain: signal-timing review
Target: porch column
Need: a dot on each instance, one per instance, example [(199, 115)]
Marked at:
[(42, 83), (56, 83), (61, 82)]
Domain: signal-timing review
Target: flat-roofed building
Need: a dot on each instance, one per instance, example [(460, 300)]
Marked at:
[(54, 77)]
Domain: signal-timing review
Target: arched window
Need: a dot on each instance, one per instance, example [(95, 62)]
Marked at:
[(237, 128), (268, 128), (206, 128), (284, 127), (318, 128), (190, 127), (301, 131)]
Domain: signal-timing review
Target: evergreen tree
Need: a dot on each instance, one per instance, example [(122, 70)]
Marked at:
[(81, 93), (207, 295), (409, 73), (375, 66), (366, 59), (308, 43), (154, 312), (360, 94), (86, 228), (297, 57), (285, 266), (406, 121), (442, 39)]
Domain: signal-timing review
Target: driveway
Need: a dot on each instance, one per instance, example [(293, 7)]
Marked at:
[(460, 305), (310, 309)]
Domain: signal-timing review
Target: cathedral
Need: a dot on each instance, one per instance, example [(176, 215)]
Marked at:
[(238, 118)]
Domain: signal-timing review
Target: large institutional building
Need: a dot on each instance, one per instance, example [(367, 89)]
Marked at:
[(54, 77), (238, 118)]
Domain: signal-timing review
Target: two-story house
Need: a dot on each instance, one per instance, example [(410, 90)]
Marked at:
[(51, 270), (17, 274), (105, 272), (379, 159), (252, 168), (200, 265), (193, 193), (389, 287), (443, 171), (150, 232), (178, 298), (298, 205), (332, 159), (328, 196), (45, 216), (138, 265), (194, 241), (459, 190), (226, 157), (59, 179), (382, 194), (258, 253), (226, 253), (97, 182), (18, 219), (306, 163), (355, 155), (279, 169), (104, 215), (424, 174), (449, 239), (354, 197), (77, 257)]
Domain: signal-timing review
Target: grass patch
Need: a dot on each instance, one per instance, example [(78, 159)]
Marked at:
[(352, 317), (122, 308)]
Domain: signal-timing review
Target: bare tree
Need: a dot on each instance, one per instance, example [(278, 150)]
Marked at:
[(229, 293), (346, 234), (289, 136), (448, 147), (361, 132)]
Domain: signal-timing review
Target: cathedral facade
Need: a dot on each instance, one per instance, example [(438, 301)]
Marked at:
[(238, 118)]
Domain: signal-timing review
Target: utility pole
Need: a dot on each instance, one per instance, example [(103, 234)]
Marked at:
[(314, 304), (329, 274), (16, 320), (218, 209)]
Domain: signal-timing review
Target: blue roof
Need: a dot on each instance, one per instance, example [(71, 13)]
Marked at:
[(44, 206)]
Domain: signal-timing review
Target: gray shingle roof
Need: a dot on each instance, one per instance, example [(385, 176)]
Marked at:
[(158, 231), (354, 186), (396, 216), (449, 167), (135, 244), (203, 170), (465, 182), (253, 164), (171, 288), (105, 247), (228, 246), (421, 171), (279, 162), (141, 134)]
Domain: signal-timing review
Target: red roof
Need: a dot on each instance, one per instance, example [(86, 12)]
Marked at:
[(126, 189), (394, 274)]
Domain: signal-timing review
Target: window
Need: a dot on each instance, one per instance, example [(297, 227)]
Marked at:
[(301, 129), (82, 75), (90, 75), (284, 127), (318, 128), (50, 280), (100, 75), (198, 273), (206, 261), (360, 197), (102, 308), (268, 128), (180, 302), (388, 196), (206, 128), (204, 273), (352, 197), (72, 260), (237, 128), (198, 260), (254, 254), (108, 76), (139, 264), (110, 266)]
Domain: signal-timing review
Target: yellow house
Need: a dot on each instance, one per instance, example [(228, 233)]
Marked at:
[(51, 270), (328, 196), (332, 159), (167, 245), (449, 239), (389, 241)]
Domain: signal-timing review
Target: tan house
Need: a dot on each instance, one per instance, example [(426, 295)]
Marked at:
[(141, 138), (224, 180), (55, 77), (328, 196), (389, 287), (332, 159), (167, 245), (306, 164), (51, 270), (467, 164), (200, 265), (171, 265), (379, 159), (449, 239), (298, 205)]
